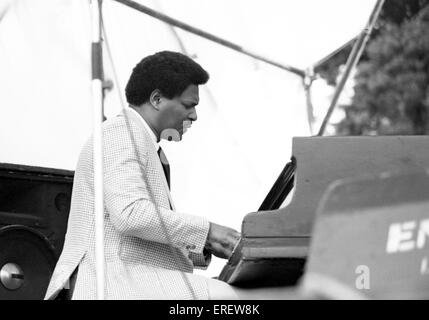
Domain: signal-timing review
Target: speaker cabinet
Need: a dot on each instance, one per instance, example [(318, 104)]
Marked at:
[(34, 208)]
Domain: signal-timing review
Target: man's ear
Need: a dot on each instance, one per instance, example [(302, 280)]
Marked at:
[(155, 98)]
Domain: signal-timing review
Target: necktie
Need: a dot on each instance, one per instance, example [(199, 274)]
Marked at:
[(165, 165)]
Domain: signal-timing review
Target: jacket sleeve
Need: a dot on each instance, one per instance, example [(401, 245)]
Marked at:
[(201, 260), (129, 198)]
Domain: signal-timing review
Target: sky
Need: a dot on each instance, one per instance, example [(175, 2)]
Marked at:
[(249, 111)]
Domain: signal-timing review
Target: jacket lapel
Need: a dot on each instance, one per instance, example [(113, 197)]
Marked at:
[(152, 153)]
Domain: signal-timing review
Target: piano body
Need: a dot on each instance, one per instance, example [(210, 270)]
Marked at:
[(275, 240)]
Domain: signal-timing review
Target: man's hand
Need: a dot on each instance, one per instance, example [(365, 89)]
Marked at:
[(221, 240)]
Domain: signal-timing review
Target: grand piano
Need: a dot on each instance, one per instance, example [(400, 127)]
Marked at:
[(275, 240)]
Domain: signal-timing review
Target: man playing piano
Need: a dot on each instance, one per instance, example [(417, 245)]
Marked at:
[(150, 248)]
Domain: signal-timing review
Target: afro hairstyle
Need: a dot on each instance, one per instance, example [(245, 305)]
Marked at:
[(169, 72)]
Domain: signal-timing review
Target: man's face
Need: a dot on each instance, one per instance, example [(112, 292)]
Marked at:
[(178, 113)]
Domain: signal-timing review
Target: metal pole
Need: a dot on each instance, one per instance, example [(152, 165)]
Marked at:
[(352, 61), (208, 36), (97, 103)]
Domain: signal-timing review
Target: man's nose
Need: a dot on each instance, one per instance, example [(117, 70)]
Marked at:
[(193, 115)]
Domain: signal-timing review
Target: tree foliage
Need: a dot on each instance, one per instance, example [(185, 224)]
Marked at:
[(392, 81), (394, 12), (398, 11)]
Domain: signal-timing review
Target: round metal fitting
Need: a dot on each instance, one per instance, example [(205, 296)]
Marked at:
[(11, 276)]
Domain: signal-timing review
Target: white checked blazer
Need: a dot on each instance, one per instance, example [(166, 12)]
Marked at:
[(139, 261)]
